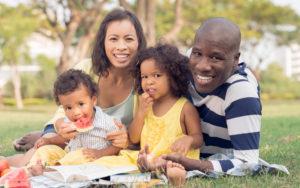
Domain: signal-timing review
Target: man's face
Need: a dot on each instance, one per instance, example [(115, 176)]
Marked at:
[(212, 61)]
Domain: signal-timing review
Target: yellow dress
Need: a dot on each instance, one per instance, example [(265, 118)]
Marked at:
[(159, 133)]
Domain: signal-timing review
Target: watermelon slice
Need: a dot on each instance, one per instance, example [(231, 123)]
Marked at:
[(16, 178), (83, 124), (17, 183)]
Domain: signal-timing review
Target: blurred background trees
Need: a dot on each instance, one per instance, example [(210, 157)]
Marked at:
[(74, 23)]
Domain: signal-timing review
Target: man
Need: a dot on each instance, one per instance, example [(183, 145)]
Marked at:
[(226, 95)]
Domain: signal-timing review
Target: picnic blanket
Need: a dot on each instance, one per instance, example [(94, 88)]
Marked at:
[(262, 167)]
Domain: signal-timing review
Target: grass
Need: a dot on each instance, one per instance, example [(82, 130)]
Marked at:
[(280, 142)]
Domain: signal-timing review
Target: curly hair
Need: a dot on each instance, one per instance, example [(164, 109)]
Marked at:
[(168, 59), (70, 80), (100, 60)]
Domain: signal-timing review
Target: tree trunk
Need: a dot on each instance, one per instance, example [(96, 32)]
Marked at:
[(178, 23), (150, 17), (17, 86), (75, 17)]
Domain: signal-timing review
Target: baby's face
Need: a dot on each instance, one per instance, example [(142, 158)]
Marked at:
[(78, 104)]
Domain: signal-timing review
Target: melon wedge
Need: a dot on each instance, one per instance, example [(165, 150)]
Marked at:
[(84, 124)]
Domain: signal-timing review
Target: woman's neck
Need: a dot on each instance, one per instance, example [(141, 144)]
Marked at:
[(119, 76)]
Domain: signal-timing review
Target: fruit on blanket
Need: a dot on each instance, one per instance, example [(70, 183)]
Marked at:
[(83, 124), (3, 165), (18, 174), (17, 183), (5, 171), (151, 158)]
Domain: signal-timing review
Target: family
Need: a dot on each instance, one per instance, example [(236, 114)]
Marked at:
[(177, 109)]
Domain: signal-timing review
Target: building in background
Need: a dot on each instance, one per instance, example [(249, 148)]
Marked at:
[(292, 61)]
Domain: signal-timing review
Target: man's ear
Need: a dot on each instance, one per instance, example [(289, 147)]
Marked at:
[(236, 59)]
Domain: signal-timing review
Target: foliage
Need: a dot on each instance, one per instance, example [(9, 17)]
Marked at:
[(274, 84), (26, 102), (38, 85)]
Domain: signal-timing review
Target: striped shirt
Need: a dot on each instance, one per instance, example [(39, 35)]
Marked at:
[(95, 138), (230, 119)]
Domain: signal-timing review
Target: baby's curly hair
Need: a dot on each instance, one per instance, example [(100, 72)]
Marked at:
[(167, 58), (70, 80)]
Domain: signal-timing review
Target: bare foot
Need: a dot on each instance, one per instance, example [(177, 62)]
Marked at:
[(176, 174), (27, 142)]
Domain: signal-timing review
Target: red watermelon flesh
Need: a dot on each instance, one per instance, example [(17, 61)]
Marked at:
[(17, 183), (16, 178), (83, 124)]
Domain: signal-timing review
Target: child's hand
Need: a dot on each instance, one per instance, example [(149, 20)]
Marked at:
[(91, 154), (182, 145), (41, 142), (146, 103)]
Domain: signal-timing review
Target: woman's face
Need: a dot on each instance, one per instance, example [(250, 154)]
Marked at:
[(121, 43)]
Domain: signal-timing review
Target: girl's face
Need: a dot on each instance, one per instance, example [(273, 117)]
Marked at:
[(154, 80), (121, 43), (78, 103)]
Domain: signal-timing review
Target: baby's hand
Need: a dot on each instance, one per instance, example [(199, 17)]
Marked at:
[(91, 154), (41, 142), (146, 103), (182, 145)]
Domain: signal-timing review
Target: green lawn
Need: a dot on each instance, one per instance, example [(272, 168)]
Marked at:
[(280, 142)]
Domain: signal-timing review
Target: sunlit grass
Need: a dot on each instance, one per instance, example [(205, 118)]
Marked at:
[(280, 142)]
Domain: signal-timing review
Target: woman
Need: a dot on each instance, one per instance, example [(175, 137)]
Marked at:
[(119, 38)]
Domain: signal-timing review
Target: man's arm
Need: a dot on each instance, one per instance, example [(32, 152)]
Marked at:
[(189, 164)]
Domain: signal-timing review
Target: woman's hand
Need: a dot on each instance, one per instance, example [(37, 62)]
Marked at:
[(119, 138), (66, 130)]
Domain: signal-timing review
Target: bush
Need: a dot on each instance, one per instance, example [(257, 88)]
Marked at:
[(26, 102)]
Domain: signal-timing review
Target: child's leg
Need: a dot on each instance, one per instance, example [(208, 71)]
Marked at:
[(49, 155), (175, 173), (74, 158), (20, 160)]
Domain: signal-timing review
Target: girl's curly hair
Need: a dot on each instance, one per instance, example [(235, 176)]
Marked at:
[(168, 59)]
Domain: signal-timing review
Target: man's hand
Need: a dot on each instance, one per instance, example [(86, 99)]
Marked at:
[(145, 165), (182, 145)]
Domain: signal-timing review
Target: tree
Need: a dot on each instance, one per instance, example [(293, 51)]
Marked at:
[(74, 23), (17, 24), (145, 10)]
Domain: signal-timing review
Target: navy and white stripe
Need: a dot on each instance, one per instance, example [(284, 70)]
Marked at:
[(95, 138), (230, 119)]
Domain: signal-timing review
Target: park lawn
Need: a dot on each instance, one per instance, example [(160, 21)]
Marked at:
[(280, 142)]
